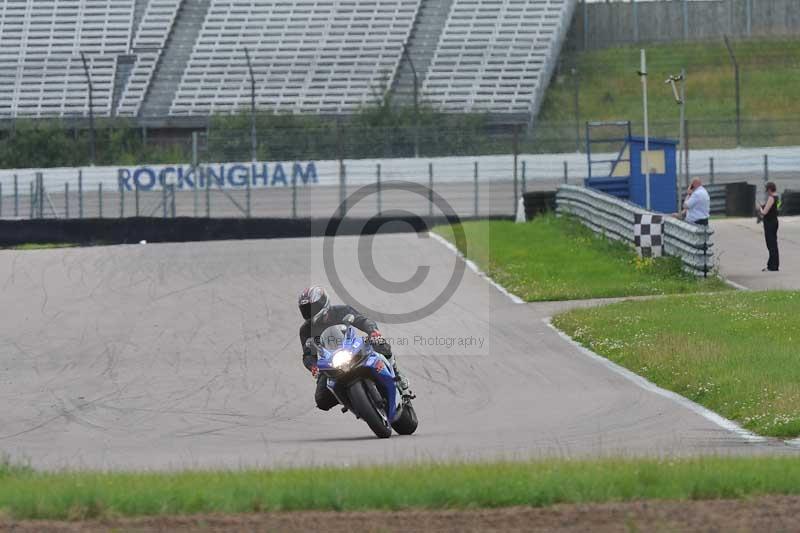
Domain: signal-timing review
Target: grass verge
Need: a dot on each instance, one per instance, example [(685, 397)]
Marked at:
[(44, 246), (734, 353), (553, 258), (26, 494), (611, 90)]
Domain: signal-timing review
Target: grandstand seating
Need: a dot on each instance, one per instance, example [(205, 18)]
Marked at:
[(148, 45), (309, 56), (40, 45), (492, 54), (314, 56)]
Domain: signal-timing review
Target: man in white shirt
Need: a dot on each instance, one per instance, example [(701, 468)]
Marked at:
[(697, 206)]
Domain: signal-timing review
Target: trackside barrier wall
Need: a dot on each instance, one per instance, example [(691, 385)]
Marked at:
[(718, 196), (613, 217), (186, 229)]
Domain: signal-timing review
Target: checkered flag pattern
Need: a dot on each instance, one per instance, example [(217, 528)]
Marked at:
[(648, 231)]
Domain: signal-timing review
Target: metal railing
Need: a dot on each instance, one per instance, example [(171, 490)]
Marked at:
[(613, 217), (717, 193)]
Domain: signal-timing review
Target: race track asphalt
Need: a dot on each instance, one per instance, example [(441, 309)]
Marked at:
[(186, 355)]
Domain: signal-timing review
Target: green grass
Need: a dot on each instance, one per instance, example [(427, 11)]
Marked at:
[(553, 258), (734, 353), (26, 494), (610, 89), (42, 246)]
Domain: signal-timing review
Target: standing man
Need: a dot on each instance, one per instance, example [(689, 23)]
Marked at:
[(768, 212), (697, 206)]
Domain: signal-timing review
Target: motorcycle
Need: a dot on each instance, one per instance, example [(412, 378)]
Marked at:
[(363, 381)]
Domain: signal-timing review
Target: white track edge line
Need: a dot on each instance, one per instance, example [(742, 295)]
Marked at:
[(472, 266), (647, 385), (735, 285)]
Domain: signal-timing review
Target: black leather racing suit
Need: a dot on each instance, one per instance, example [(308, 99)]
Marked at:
[(312, 329)]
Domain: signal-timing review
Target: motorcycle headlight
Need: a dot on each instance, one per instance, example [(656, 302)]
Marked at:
[(342, 359)]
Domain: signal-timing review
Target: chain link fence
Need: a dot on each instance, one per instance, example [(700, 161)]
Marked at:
[(283, 172), (310, 172)]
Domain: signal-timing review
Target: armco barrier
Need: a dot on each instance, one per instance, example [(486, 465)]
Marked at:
[(614, 217), (134, 230), (718, 195)]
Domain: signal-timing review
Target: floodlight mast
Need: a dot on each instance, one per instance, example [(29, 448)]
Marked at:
[(253, 137), (92, 134), (416, 99), (680, 99), (643, 76)]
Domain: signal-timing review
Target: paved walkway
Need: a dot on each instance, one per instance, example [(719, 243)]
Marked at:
[(739, 243)]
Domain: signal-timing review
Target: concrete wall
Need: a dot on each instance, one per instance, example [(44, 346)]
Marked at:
[(135, 230), (601, 24)]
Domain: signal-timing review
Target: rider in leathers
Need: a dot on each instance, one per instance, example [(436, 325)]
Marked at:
[(319, 314)]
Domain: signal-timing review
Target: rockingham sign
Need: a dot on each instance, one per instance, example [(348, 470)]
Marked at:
[(218, 175), (274, 174), (744, 162)]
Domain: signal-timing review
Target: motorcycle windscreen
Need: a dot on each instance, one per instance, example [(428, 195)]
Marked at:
[(333, 338)]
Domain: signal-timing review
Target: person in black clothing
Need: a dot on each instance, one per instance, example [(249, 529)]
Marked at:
[(768, 211), (319, 314)]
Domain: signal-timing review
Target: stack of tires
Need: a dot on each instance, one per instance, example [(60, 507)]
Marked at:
[(538, 202), (740, 199), (790, 203)]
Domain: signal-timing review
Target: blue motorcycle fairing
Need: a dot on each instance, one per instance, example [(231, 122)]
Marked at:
[(384, 376), (380, 368)]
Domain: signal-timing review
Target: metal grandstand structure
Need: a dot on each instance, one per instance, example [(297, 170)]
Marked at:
[(175, 60)]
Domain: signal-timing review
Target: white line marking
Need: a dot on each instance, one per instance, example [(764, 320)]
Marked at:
[(472, 266), (735, 285), (721, 421)]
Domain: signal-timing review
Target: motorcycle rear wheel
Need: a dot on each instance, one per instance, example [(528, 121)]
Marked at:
[(365, 407)]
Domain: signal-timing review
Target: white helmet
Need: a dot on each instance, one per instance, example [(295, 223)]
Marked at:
[(313, 302)]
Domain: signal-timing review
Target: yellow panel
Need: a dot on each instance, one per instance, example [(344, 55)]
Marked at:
[(623, 168), (656, 160)]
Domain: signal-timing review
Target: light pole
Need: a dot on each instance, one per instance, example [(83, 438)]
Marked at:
[(736, 81), (253, 139), (577, 81), (643, 76), (416, 100), (92, 136), (680, 99)]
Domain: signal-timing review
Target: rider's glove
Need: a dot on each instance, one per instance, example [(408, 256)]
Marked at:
[(314, 371), (376, 338)]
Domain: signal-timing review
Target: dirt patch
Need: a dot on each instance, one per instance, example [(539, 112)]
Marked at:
[(771, 513)]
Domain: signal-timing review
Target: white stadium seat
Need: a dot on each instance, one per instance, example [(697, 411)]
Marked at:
[(492, 54), (309, 56), (41, 42), (148, 44)]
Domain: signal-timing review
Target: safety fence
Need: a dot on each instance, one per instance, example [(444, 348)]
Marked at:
[(489, 187), (614, 218), (294, 188)]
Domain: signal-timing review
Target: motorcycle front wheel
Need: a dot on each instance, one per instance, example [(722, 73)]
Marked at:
[(406, 423), (362, 400)]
